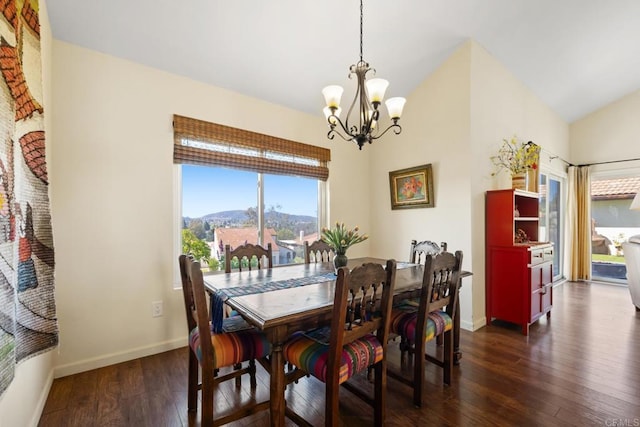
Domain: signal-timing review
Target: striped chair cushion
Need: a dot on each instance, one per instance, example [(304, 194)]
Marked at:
[(311, 356), (232, 347), (403, 323)]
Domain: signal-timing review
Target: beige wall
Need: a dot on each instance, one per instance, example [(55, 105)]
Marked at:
[(436, 131), (609, 134), (501, 106), (22, 403)]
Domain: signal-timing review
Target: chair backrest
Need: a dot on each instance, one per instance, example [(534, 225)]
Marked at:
[(420, 250), (364, 298), (247, 251), (319, 251), (195, 301), (439, 286)]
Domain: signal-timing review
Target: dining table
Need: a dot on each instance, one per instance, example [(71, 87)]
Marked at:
[(297, 297)]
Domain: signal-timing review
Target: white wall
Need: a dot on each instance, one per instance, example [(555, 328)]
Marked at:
[(112, 204), (22, 403)]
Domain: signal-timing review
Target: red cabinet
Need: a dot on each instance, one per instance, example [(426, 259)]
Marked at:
[(518, 274)]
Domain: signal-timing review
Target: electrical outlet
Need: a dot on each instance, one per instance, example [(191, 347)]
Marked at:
[(156, 309)]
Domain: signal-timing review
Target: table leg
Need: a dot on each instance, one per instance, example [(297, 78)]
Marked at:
[(277, 376), (457, 354)]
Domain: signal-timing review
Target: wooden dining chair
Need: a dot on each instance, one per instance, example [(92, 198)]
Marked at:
[(334, 354), (418, 322), (318, 251), (418, 255), (247, 251), (420, 250), (210, 351)]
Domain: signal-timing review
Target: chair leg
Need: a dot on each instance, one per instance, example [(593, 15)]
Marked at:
[(207, 400), (380, 392), (418, 372), (238, 378), (252, 373), (448, 357), (405, 348), (331, 406), (192, 386)]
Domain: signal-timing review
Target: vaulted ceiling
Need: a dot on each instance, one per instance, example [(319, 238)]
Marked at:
[(575, 55)]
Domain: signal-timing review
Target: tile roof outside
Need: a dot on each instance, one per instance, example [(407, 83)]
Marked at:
[(620, 188)]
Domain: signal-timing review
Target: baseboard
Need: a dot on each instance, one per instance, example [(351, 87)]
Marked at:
[(473, 326), (113, 358), (42, 400)]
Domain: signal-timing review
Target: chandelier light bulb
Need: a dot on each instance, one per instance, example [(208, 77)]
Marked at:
[(332, 95), (376, 89), (395, 106)]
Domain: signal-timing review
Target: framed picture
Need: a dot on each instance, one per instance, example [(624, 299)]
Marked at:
[(412, 188)]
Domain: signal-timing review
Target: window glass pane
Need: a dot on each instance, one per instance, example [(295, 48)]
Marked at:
[(218, 208), (612, 224), (551, 216), (291, 215)]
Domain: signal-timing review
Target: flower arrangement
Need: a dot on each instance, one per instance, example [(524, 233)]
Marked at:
[(340, 239), (516, 157)]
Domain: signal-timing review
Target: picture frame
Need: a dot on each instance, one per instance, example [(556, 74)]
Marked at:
[(412, 188)]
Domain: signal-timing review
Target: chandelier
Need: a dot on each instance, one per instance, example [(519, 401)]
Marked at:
[(367, 100)]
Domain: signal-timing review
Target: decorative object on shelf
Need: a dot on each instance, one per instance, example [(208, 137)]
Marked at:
[(520, 159), (520, 181), (365, 105), (340, 239), (412, 187), (521, 236), (516, 212)]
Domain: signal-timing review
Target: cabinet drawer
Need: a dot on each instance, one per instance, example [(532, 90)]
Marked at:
[(540, 255)]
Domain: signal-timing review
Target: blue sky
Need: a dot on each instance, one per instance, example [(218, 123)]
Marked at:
[(208, 190)]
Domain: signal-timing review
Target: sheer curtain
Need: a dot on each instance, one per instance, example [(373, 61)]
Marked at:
[(578, 234)]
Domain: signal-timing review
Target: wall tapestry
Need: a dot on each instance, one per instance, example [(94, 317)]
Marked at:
[(28, 324)]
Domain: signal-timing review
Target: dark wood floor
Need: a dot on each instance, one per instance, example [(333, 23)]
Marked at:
[(581, 367)]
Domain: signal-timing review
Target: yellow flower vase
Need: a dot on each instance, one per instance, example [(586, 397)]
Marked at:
[(520, 181)]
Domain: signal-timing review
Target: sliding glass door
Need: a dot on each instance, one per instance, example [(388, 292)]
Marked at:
[(552, 189)]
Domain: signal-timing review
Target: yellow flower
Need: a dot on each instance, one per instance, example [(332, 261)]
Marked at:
[(516, 157)]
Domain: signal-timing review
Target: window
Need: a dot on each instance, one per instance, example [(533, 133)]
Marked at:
[(612, 222), (234, 187)]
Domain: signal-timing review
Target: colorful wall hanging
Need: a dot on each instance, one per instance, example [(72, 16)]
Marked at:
[(28, 323)]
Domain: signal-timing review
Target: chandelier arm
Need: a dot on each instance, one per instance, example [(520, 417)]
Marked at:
[(397, 129), (337, 120), (334, 132)]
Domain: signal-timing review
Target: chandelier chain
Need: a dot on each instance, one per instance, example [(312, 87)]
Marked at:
[(361, 13)]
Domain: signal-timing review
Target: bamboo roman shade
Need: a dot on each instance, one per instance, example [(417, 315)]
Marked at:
[(198, 142)]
